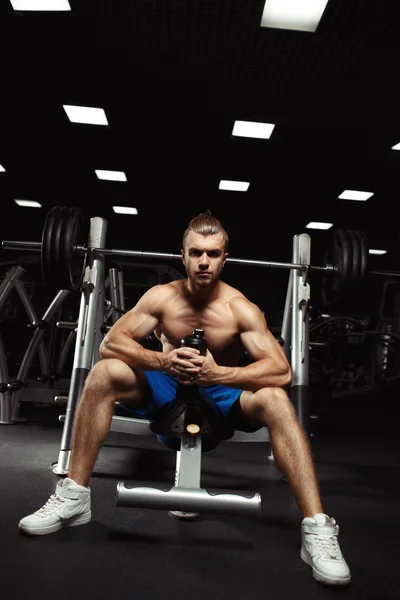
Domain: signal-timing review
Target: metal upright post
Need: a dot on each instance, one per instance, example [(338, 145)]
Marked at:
[(300, 330), (116, 293), (86, 335), (99, 334), (286, 332)]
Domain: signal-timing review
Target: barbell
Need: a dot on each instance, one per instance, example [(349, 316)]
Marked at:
[(64, 258)]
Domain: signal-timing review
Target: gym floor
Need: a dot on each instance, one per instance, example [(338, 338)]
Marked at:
[(129, 553)]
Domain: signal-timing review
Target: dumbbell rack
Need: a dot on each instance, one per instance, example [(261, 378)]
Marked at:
[(10, 391)]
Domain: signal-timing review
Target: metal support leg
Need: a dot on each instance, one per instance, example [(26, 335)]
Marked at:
[(300, 331), (187, 495), (86, 336)]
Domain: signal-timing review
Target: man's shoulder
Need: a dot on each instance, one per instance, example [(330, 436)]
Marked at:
[(168, 289), (232, 294), (239, 301), (241, 306)]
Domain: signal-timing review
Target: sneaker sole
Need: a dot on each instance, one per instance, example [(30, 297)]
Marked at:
[(80, 520), (319, 576)]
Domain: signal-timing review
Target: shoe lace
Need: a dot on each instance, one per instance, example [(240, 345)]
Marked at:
[(52, 504), (328, 546)]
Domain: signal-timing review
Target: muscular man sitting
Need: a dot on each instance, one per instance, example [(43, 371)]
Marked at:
[(249, 396)]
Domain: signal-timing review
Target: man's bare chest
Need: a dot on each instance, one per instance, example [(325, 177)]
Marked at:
[(219, 325)]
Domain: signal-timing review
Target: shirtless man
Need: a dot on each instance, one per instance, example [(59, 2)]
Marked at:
[(254, 394)]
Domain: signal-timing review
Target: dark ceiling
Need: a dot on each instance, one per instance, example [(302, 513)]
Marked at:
[(172, 77)]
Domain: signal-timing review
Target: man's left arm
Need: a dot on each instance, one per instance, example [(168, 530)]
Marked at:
[(269, 368)]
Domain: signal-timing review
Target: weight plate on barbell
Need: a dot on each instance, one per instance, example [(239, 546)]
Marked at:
[(75, 235), (62, 264), (364, 256), (353, 296), (343, 288), (59, 275), (360, 275), (47, 253), (354, 272), (338, 254)]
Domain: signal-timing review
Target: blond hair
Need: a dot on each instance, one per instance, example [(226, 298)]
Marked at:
[(206, 224)]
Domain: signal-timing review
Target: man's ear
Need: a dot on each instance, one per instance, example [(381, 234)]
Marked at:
[(183, 255), (225, 257)]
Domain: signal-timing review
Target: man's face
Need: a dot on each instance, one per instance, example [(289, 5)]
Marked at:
[(204, 258)]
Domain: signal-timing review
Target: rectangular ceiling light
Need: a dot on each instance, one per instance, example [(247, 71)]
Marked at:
[(85, 114), (2, 169), (355, 195), (318, 225), (33, 5), (301, 15), (236, 186), (30, 203), (125, 210), (253, 129), (372, 251), (111, 175)]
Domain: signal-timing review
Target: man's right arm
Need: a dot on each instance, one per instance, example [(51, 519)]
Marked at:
[(122, 341)]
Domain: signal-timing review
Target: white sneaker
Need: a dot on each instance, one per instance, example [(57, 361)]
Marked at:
[(182, 514), (67, 507), (320, 550)]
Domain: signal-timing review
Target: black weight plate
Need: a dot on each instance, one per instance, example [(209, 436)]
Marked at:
[(339, 253), (354, 272), (360, 285), (351, 299), (68, 233), (46, 253), (62, 261), (364, 256), (345, 304), (75, 235), (60, 279), (63, 268)]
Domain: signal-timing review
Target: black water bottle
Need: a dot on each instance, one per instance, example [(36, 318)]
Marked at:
[(196, 340), (188, 395)]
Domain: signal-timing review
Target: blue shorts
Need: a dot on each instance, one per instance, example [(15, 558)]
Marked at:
[(162, 391)]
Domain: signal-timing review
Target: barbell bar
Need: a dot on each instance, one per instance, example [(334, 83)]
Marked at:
[(21, 246), (82, 250), (64, 256)]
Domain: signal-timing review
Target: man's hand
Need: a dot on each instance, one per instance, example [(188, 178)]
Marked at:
[(190, 367), (207, 369), (181, 362), (202, 371)]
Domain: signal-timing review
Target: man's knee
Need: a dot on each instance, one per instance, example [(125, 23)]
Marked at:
[(112, 374), (270, 403)]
